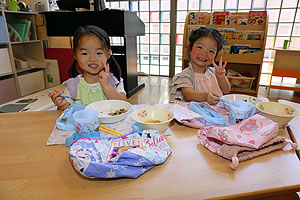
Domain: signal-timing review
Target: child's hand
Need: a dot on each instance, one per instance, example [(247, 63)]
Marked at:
[(220, 70), (213, 98), (59, 101), (104, 75)]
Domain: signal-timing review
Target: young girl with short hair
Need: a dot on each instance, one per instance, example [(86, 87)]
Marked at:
[(199, 82)]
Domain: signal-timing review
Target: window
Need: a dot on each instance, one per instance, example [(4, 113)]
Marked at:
[(154, 48)]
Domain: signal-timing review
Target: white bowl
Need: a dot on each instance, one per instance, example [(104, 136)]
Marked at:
[(105, 107), (144, 115), (278, 112), (241, 97)]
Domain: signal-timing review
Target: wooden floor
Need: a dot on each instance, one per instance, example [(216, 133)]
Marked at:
[(157, 91)]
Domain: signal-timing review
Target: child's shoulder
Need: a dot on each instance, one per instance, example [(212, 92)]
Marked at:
[(186, 71), (186, 74)]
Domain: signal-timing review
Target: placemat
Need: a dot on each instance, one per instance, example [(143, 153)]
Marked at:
[(59, 137)]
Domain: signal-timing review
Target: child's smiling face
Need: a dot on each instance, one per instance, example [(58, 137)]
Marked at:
[(90, 54), (203, 52)]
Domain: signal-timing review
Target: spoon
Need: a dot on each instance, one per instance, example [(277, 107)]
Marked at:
[(63, 95), (223, 100)]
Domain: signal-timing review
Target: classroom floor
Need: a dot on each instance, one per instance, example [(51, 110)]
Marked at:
[(157, 91)]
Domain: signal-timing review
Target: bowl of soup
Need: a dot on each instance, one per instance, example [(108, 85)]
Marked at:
[(156, 118)]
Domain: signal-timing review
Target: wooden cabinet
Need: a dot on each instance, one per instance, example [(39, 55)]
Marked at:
[(286, 64), (246, 63), (14, 50)]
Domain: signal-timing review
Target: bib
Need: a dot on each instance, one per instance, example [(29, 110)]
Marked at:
[(88, 94)]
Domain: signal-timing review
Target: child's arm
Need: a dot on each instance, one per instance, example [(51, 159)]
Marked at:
[(221, 78), (59, 101), (191, 95), (108, 90)]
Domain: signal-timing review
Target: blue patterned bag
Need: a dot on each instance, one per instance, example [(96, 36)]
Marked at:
[(129, 155)]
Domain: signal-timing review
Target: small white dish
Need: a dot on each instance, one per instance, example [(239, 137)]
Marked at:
[(241, 97), (106, 107)]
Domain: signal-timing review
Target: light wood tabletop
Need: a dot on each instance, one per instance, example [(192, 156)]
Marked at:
[(31, 170)]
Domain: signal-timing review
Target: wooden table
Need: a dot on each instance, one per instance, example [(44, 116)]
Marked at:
[(31, 170)]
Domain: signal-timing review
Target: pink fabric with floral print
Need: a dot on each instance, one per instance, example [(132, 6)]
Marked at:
[(252, 132)]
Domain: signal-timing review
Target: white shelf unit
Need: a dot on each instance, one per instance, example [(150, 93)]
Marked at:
[(12, 82)]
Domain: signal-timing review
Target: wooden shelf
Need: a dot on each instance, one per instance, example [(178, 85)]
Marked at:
[(247, 58), (240, 27), (15, 82), (18, 70)]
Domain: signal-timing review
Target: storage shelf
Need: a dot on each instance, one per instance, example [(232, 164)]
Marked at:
[(17, 82)]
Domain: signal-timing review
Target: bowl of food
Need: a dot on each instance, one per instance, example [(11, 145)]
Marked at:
[(110, 111), (241, 97), (157, 118), (277, 112)]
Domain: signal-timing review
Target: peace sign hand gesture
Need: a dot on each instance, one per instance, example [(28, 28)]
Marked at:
[(104, 75), (220, 70)]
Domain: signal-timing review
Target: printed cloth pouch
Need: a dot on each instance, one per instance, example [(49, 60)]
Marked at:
[(129, 155), (250, 138), (187, 117)]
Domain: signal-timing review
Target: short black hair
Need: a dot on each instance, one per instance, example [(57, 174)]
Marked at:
[(206, 32)]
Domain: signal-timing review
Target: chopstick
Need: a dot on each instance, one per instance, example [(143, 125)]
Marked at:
[(108, 130)]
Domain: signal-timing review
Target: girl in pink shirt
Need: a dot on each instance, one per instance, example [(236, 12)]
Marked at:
[(198, 82)]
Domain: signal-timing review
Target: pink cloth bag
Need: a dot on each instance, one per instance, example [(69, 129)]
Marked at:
[(250, 138)]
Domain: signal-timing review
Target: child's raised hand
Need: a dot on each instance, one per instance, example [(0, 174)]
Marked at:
[(59, 101), (220, 70), (212, 98), (104, 75)]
